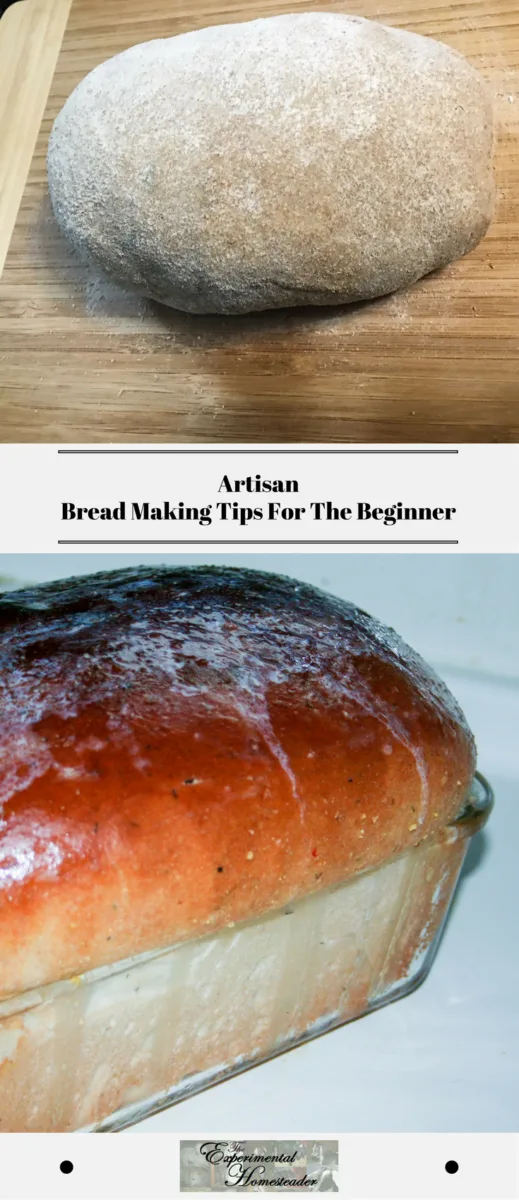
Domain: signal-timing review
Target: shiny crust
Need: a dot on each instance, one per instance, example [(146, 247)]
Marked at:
[(185, 748)]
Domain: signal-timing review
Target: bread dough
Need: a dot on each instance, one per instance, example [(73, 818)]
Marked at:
[(312, 158)]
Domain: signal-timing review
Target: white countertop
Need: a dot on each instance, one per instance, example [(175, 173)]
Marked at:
[(446, 1057)]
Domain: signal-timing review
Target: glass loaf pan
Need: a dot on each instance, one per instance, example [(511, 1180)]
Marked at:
[(103, 1050)]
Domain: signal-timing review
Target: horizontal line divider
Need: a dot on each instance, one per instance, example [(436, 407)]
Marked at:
[(248, 450), (253, 542)]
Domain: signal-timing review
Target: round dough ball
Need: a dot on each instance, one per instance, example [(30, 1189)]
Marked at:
[(304, 159)]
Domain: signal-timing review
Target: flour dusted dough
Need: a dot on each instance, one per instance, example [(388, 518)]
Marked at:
[(304, 159)]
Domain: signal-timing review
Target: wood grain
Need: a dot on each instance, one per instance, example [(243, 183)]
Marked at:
[(80, 361), (31, 33)]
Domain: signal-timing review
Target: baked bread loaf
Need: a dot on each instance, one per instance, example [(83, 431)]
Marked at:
[(311, 158), (185, 748)]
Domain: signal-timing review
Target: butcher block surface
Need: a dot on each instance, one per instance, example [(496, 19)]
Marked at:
[(83, 361)]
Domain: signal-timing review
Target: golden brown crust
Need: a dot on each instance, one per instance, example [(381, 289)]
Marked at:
[(184, 748)]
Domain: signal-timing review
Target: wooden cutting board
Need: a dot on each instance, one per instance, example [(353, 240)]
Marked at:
[(82, 361)]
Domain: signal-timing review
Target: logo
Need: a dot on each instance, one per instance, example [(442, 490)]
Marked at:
[(296, 1167)]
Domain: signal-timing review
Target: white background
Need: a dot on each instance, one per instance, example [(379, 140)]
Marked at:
[(371, 1168), (479, 481)]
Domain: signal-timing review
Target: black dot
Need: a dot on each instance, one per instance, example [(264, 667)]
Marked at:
[(66, 1166), (451, 1167)]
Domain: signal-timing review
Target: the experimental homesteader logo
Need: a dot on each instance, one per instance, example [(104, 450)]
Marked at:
[(294, 1166)]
